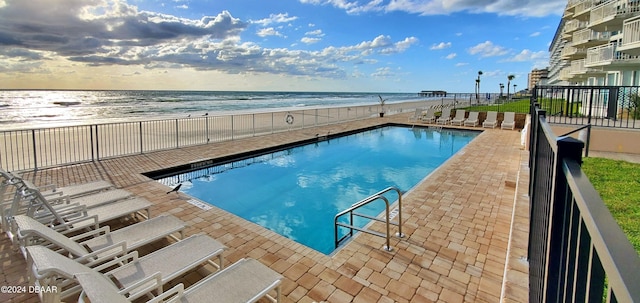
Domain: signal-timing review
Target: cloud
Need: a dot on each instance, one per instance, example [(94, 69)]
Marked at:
[(532, 8), (400, 46), (310, 40), (441, 45), (487, 49), (353, 7), (75, 28), (315, 37), (383, 72), (527, 55), (269, 31), (317, 33), (451, 56), (275, 18), (112, 33), (536, 34)]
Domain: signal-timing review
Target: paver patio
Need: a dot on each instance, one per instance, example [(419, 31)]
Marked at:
[(466, 226)]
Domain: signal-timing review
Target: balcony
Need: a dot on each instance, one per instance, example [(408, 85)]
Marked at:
[(589, 38), (565, 74), (583, 9), (574, 25), (609, 16), (609, 58), (571, 26), (579, 70), (573, 53), (631, 37)]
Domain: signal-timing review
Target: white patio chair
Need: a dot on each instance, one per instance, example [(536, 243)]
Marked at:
[(445, 117), (429, 116), (459, 118), (491, 120), (68, 216), (48, 268), (247, 280), (472, 120), (97, 242), (416, 115), (509, 121)]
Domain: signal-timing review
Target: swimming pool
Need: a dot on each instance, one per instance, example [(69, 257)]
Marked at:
[(296, 192)]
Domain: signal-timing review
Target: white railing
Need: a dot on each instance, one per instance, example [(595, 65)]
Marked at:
[(32, 149), (599, 55), (588, 35), (583, 7), (573, 51), (612, 9), (631, 31), (607, 54), (574, 25)]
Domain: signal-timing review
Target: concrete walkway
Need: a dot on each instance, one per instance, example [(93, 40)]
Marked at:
[(466, 227)]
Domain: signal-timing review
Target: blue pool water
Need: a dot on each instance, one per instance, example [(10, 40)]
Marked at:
[(298, 191)]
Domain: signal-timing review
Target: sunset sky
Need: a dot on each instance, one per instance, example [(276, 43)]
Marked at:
[(283, 45)]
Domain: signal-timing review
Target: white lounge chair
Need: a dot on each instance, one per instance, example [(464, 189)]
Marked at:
[(429, 116), (68, 216), (96, 198), (78, 190), (459, 118), (24, 192), (48, 268), (472, 120), (70, 191), (416, 116), (97, 242), (509, 121), (491, 120), (445, 117), (247, 280)]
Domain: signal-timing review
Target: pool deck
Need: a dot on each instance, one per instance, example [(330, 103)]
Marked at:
[(466, 226)]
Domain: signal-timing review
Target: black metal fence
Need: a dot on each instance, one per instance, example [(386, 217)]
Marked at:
[(608, 106), (577, 252)]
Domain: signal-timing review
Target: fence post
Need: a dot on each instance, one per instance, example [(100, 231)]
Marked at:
[(206, 123), (93, 157), (177, 135), (97, 143), (141, 141), (35, 149), (568, 149)]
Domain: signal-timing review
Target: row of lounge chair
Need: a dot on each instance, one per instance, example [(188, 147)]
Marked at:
[(89, 261), (461, 119)]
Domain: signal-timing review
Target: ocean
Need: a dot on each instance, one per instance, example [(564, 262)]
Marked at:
[(45, 108)]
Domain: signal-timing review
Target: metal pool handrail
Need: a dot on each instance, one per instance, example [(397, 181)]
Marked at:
[(386, 220)]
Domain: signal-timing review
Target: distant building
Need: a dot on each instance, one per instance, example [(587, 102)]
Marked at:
[(596, 43), (537, 77)]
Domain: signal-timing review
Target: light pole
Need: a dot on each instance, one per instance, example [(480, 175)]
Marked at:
[(478, 87), (514, 89), (501, 89)]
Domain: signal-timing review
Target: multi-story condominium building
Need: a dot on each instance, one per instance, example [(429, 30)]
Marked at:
[(537, 76), (597, 43)]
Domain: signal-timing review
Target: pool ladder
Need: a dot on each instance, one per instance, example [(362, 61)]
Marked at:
[(386, 219)]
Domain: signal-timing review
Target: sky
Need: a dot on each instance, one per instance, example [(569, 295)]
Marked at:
[(402, 46)]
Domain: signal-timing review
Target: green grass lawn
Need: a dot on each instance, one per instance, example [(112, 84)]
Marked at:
[(618, 183), (520, 106)]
